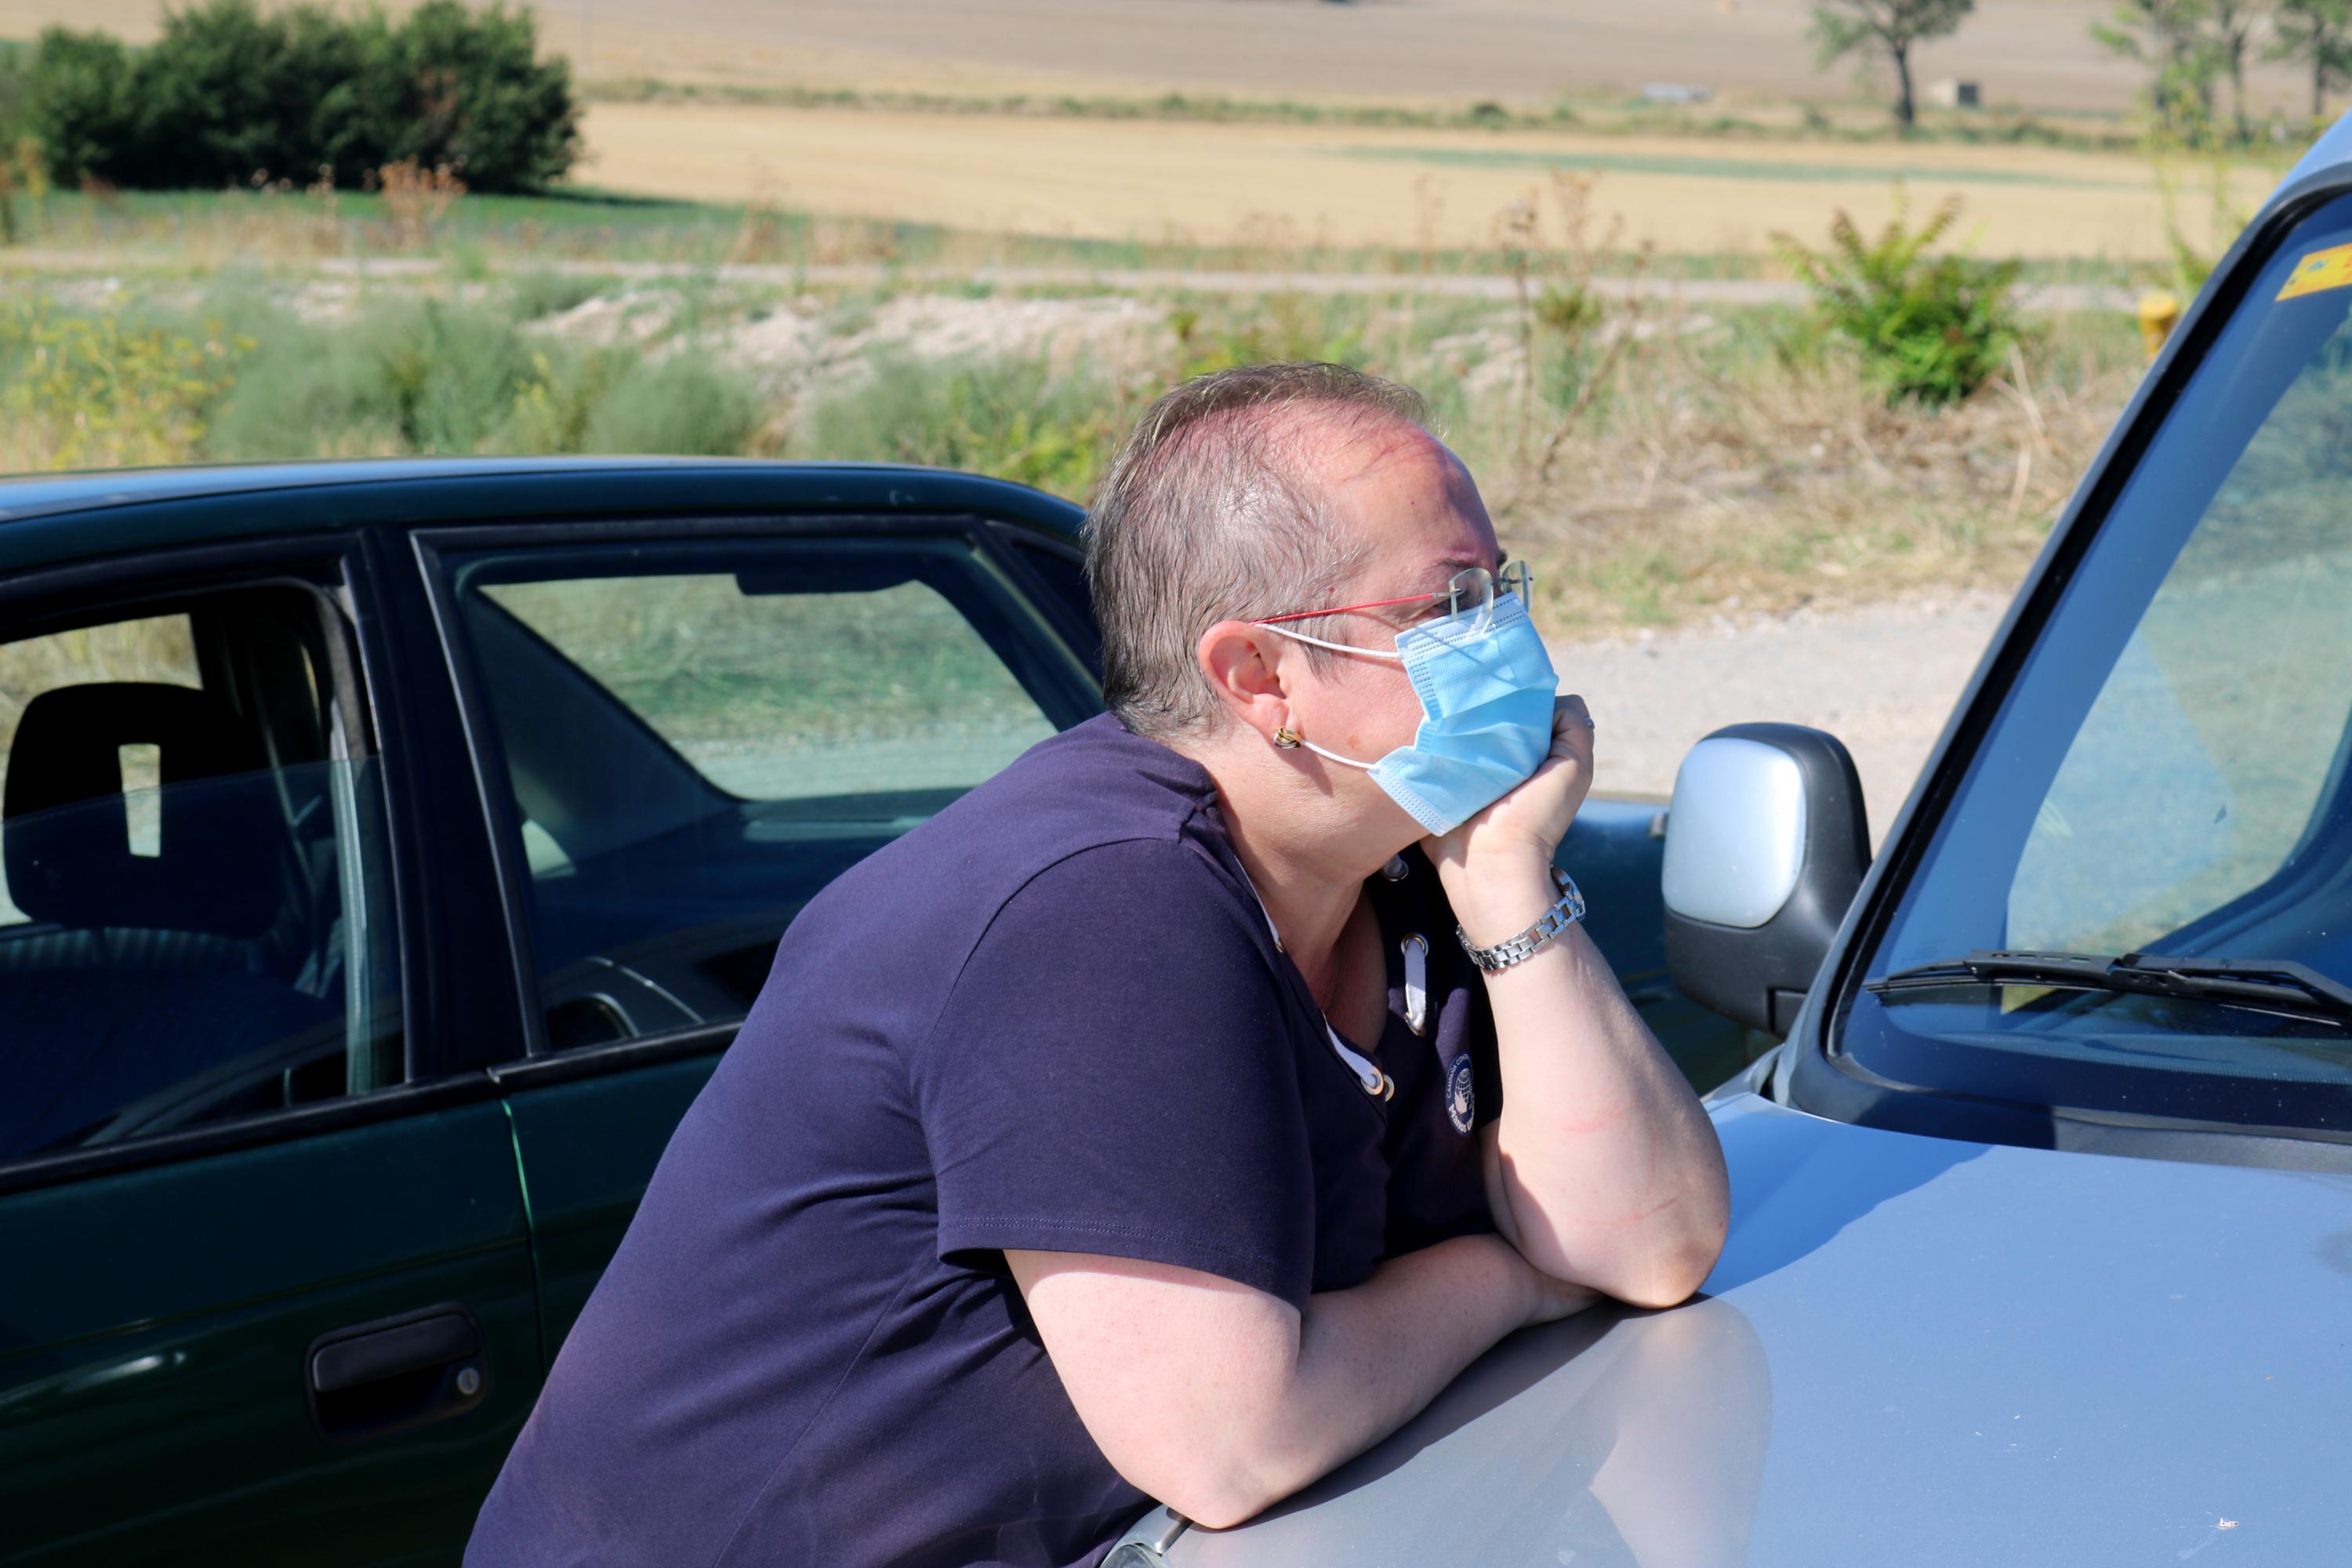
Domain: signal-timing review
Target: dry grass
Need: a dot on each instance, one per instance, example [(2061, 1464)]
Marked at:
[(1768, 486), (1654, 463), (1175, 183)]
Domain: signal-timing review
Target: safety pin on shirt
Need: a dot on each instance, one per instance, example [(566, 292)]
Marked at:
[(1416, 982)]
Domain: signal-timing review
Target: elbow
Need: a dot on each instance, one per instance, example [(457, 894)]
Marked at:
[(1223, 1479), (1218, 1492), (1666, 1268), (1661, 1283), (1216, 1507)]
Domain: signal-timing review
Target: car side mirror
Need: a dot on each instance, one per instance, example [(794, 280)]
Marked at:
[(1766, 843)]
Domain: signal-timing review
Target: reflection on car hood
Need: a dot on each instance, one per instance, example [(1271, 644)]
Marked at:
[(1914, 1351)]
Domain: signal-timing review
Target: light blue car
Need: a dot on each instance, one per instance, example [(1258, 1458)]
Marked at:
[(2042, 1238)]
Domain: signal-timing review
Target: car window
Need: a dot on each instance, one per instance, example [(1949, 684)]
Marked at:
[(2168, 773), (697, 736), (194, 922)]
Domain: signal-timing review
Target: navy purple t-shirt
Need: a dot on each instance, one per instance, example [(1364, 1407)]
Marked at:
[(1053, 1017)]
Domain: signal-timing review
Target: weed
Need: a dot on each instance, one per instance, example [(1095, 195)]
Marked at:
[(88, 391), (416, 201), (1932, 329)]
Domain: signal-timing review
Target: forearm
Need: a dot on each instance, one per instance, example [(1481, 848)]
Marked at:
[(1604, 1169), (1370, 1358)]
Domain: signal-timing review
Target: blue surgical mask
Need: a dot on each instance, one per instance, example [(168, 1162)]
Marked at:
[(1486, 696)]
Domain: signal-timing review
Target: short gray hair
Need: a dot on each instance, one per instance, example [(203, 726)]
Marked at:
[(1210, 514)]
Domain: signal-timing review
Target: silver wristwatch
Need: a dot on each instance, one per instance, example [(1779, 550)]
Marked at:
[(1530, 942)]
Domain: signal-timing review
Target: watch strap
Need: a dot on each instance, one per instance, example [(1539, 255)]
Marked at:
[(1566, 912)]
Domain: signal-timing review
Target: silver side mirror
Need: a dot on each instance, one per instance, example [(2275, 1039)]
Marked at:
[(1766, 843)]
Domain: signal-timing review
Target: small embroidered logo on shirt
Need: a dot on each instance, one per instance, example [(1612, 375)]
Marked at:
[(1460, 1102)]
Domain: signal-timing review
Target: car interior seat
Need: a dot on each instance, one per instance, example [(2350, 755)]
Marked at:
[(143, 968)]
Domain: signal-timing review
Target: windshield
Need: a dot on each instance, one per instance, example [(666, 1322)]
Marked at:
[(2166, 774)]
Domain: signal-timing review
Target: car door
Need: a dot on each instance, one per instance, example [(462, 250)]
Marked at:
[(686, 730), (268, 1294)]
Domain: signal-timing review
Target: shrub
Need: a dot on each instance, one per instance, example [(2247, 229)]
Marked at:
[(532, 296), (417, 376), (1929, 329), (1011, 419), (228, 95), (426, 376), (679, 406)]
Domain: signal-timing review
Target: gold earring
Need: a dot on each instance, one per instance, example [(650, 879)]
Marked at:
[(1286, 738)]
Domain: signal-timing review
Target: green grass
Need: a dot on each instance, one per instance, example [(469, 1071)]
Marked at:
[(1718, 168), (200, 234)]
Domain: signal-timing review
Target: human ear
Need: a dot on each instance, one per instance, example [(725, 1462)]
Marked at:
[(1244, 667)]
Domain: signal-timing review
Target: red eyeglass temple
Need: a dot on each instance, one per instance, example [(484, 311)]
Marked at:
[(1343, 609)]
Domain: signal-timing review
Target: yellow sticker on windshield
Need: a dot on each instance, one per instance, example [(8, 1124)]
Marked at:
[(2319, 271)]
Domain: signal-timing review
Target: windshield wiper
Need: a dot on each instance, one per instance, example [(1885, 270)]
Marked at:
[(2268, 984)]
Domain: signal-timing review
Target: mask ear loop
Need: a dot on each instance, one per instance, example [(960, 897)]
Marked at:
[(1334, 647), (1336, 757), (1286, 737)]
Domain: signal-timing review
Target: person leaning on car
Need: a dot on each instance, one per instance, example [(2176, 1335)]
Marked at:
[(1140, 1126)]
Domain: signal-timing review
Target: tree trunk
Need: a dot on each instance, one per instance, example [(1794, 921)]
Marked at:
[(2238, 88), (2318, 83), (1906, 114)]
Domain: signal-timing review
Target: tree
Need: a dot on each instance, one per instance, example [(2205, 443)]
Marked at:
[(80, 104), (230, 93), (2319, 34), (2230, 25), (2170, 37), (227, 95), (483, 101), (1843, 28)]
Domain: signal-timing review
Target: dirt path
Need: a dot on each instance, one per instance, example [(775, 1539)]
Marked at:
[(1122, 280), (1882, 678)]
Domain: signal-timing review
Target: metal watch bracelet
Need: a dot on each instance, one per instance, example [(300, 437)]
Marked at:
[(1532, 940)]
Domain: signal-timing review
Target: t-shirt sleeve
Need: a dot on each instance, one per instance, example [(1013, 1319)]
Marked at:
[(1111, 1073)]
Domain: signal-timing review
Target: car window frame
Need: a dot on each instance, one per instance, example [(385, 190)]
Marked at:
[(38, 601), (1815, 1074), (999, 542), (1017, 542)]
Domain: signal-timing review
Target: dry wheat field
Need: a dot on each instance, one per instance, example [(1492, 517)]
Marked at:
[(1297, 182), (2035, 53), (1215, 183)]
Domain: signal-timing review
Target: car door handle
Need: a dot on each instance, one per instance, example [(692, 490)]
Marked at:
[(392, 1373)]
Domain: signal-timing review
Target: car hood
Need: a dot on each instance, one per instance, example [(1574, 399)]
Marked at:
[(1914, 1351)]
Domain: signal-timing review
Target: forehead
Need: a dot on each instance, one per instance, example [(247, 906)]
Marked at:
[(1410, 501)]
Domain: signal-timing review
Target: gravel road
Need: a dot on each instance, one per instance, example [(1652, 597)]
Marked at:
[(1727, 292), (1882, 678)]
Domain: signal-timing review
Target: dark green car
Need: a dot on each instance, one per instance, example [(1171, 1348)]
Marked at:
[(389, 851)]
